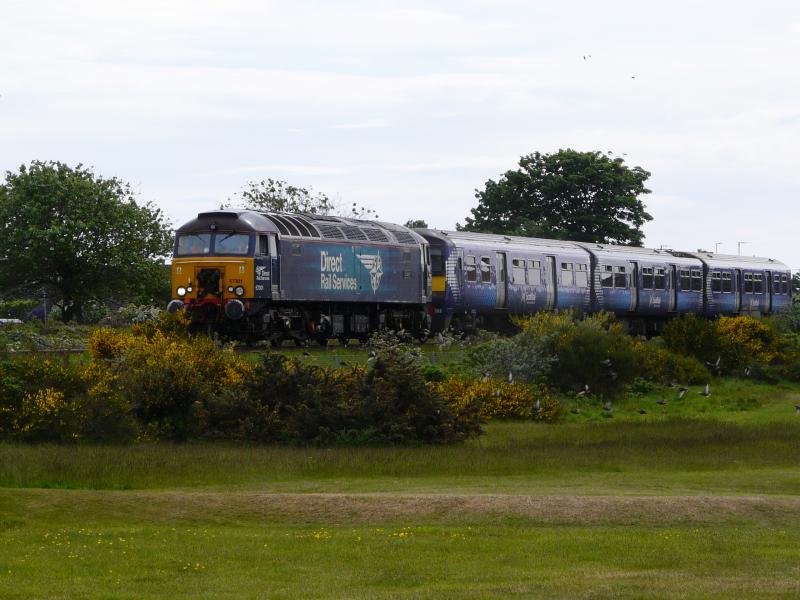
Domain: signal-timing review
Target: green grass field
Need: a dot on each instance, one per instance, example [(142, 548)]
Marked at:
[(693, 498)]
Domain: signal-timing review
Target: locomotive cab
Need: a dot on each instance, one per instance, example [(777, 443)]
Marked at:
[(221, 263)]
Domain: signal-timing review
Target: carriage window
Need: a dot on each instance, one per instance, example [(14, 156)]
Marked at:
[(518, 270), (661, 278), (607, 277), (567, 277), (472, 271), (716, 281), (486, 266), (748, 283), (534, 272), (194, 243), (776, 284), (620, 279), (757, 283), (785, 281), (647, 278), (697, 280), (686, 280), (726, 283), (582, 275)]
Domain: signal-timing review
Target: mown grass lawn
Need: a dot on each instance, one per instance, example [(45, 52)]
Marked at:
[(694, 498)]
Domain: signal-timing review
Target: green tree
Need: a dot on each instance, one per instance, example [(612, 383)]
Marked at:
[(416, 224), (274, 195), (581, 196), (80, 236)]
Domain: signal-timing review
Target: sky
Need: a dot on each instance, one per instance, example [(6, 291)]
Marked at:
[(408, 107)]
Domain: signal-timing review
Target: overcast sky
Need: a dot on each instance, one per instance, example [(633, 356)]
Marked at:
[(407, 107)]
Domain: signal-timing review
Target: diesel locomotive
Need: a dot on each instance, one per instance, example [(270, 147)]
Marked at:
[(302, 277), (277, 276)]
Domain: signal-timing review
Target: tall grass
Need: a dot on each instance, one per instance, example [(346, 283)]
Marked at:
[(509, 450)]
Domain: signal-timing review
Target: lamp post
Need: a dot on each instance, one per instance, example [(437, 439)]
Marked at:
[(716, 247), (739, 248)]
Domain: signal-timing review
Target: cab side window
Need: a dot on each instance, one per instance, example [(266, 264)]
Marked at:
[(263, 245)]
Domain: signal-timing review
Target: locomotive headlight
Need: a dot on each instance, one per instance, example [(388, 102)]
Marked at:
[(181, 291), (189, 289), (239, 290), (230, 289)]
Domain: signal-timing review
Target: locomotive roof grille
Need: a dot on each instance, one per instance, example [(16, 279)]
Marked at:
[(404, 237), (353, 233), (375, 235), (330, 231)]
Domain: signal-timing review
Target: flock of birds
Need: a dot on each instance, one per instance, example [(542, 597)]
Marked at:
[(608, 407)]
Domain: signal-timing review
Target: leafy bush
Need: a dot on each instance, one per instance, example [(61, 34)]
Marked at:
[(17, 309), (499, 399), (660, 365), (692, 335), (527, 356), (389, 402)]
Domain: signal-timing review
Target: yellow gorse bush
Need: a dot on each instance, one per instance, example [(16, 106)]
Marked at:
[(43, 411), (498, 399), (746, 339)]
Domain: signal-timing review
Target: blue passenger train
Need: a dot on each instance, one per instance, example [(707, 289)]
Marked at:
[(279, 276), (479, 279)]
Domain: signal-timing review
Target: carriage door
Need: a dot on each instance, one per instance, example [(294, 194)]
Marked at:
[(634, 267), (673, 288), (737, 288), (768, 289), (502, 279), (550, 281)]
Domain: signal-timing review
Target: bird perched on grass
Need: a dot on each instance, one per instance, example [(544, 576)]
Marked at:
[(485, 377), (510, 377), (682, 392), (642, 411), (706, 391), (662, 402), (607, 407), (797, 408), (538, 406), (583, 392)]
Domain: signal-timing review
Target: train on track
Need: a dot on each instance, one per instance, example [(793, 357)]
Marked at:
[(304, 277)]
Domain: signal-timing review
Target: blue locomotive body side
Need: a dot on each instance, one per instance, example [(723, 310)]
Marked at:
[(324, 271)]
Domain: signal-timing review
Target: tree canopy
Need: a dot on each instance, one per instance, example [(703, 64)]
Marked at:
[(79, 236), (416, 224), (581, 196), (280, 196)]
